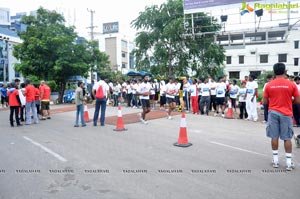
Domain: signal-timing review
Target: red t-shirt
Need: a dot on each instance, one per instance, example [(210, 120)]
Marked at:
[(12, 100), (46, 92), (280, 92), (30, 93), (37, 94)]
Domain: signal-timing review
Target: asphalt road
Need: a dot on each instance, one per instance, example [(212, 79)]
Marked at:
[(228, 159)]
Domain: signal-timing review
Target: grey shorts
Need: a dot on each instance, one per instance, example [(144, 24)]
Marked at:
[(279, 126)]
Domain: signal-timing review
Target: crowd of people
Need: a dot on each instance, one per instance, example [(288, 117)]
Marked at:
[(26, 102), (199, 96)]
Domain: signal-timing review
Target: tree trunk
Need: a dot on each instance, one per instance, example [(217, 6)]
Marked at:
[(61, 91)]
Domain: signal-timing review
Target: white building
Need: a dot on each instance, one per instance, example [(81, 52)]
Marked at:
[(118, 47), (256, 34), (250, 52)]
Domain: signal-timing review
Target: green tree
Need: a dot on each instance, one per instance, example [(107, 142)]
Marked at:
[(49, 50), (164, 48)]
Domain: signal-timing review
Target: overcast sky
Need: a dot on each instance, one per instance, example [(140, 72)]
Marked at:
[(123, 11)]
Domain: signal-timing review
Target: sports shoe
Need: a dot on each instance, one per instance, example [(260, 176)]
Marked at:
[(223, 115), (275, 164), (144, 121), (169, 117), (140, 116), (215, 114), (290, 167)]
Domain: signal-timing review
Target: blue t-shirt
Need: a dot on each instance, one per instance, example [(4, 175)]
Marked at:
[(3, 92)]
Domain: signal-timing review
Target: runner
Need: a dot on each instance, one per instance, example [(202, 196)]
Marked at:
[(144, 92), (170, 94), (251, 99)]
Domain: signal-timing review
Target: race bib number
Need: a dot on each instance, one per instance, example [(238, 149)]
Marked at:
[(220, 92)]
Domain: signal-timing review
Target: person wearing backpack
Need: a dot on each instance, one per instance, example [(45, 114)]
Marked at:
[(100, 92)]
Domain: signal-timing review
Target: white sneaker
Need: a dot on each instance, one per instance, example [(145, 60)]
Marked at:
[(290, 167), (140, 117), (169, 117), (255, 120), (275, 164), (223, 115), (144, 121), (215, 114)]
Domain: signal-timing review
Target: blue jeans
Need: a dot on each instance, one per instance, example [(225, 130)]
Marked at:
[(100, 103), (28, 106), (79, 111)]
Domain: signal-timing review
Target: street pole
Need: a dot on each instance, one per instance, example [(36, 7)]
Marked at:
[(92, 34)]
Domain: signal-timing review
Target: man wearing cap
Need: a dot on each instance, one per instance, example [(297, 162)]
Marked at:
[(45, 93)]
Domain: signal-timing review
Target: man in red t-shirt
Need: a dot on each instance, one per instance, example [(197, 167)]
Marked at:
[(45, 93), (280, 94), (30, 103)]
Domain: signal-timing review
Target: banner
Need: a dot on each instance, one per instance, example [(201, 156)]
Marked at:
[(195, 4)]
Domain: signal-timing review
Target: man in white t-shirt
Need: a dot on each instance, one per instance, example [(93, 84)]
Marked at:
[(186, 94), (144, 93), (205, 98), (170, 95), (233, 92), (251, 98), (220, 96), (100, 102), (213, 85), (242, 101)]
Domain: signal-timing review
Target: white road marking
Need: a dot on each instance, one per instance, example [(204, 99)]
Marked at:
[(46, 149), (237, 148)]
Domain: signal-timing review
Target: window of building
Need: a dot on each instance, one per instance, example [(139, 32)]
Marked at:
[(228, 60), (263, 59), (234, 75), (296, 61), (255, 73), (241, 59), (296, 73), (282, 57), (296, 44), (124, 55), (124, 44), (123, 65)]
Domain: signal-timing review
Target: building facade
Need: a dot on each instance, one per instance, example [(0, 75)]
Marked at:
[(255, 52), (118, 47)]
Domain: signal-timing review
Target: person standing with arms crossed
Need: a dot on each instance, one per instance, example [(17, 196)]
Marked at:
[(79, 98), (278, 95)]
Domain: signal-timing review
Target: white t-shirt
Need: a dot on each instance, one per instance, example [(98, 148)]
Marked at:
[(193, 90), (251, 86), (170, 90), (205, 88), (104, 86), (242, 93), (220, 89), (234, 89), (213, 85), (143, 88), (186, 88), (134, 88)]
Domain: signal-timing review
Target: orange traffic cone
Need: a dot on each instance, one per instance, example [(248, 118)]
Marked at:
[(86, 113), (183, 140), (120, 124), (229, 111)]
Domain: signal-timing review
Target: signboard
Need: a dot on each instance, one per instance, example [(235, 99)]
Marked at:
[(195, 4), (112, 27)]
